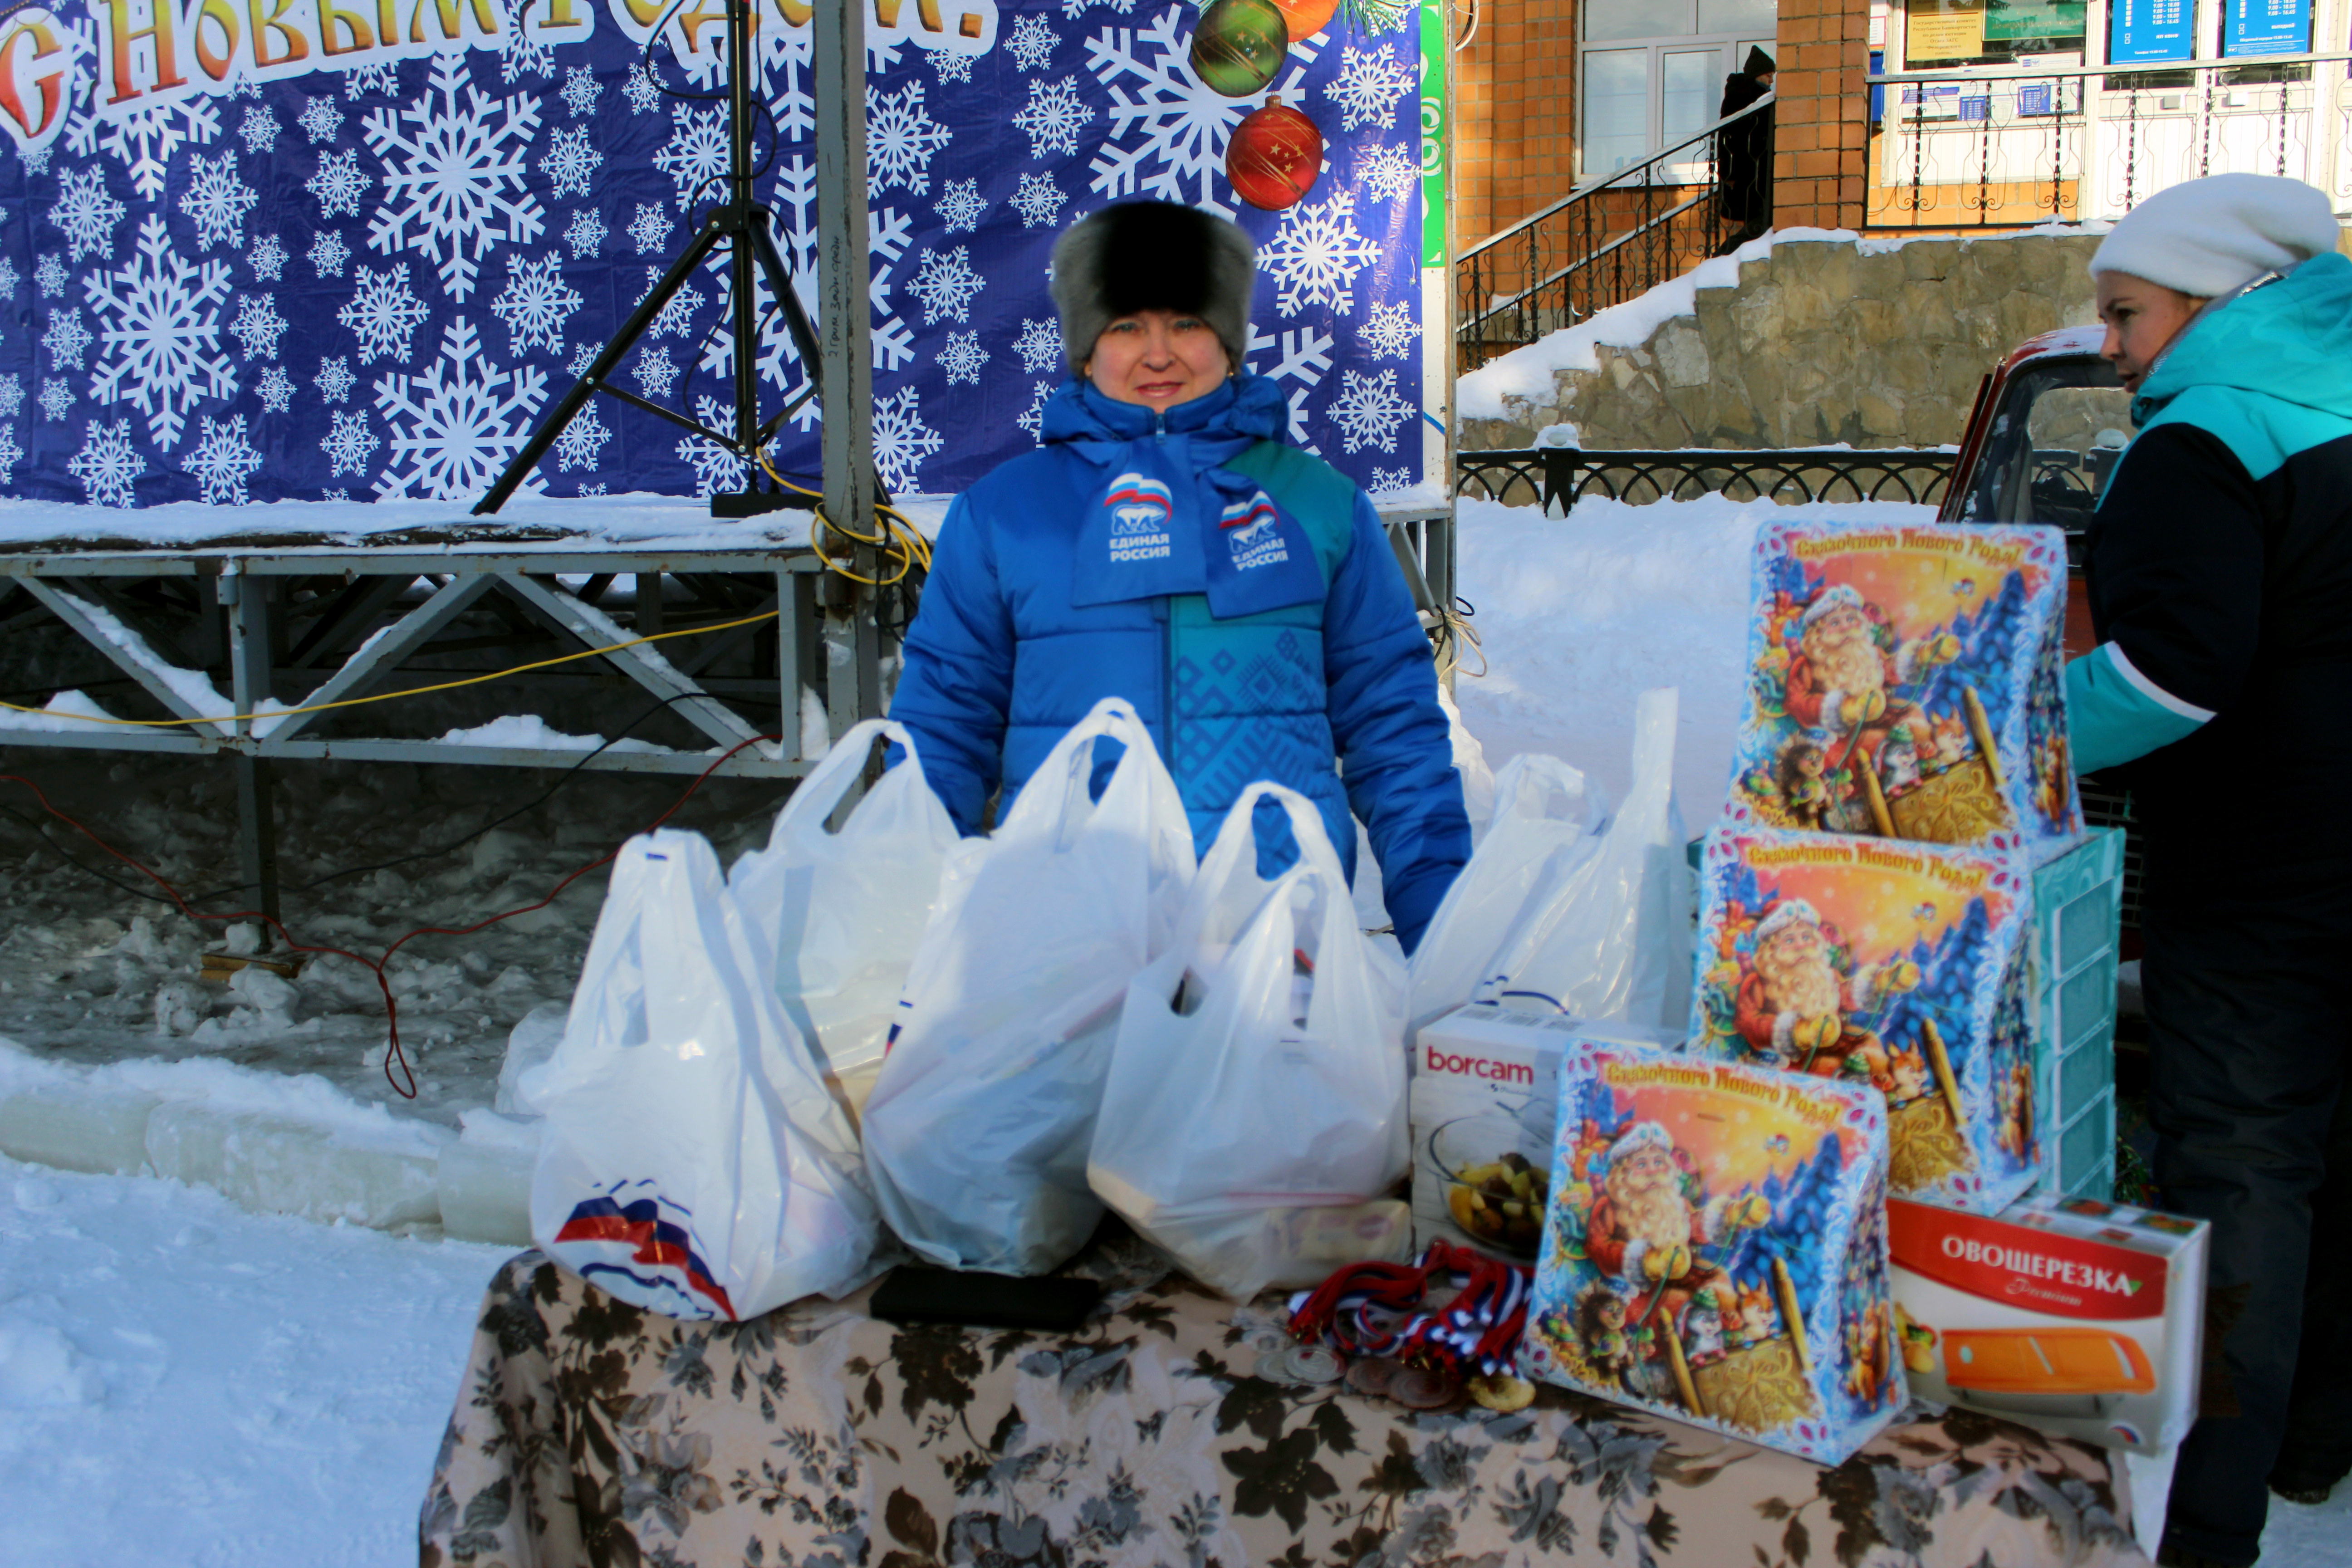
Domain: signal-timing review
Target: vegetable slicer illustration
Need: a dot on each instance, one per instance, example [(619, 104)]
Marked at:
[(2046, 1371)]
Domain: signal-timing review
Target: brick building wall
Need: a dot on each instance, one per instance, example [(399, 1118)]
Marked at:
[(1820, 121), (1514, 114)]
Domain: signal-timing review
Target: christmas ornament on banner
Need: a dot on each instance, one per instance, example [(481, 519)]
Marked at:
[(307, 261)]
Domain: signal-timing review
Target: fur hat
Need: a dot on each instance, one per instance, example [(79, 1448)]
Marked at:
[(1830, 598), (1786, 913), (2205, 238), (1640, 1135), (1151, 255)]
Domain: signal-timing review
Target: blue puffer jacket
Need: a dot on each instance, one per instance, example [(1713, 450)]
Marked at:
[(1239, 593)]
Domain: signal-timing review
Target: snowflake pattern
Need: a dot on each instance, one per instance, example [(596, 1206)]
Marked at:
[(951, 65), (1039, 345), (328, 254), (1034, 420), (222, 460), (86, 213), (218, 199), (586, 234), (580, 91), (535, 304), (569, 164), (335, 380), (1316, 255), (266, 256), (650, 228), (258, 326), (695, 157), (159, 333), (583, 357), (963, 358), (57, 400), (1386, 481), (12, 396), (901, 139), (339, 186), (654, 372), (523, 55), (50, 273), (321, 120), (1369, 84), (8, 278), (677, 318), (348, 444), (383, 313), (716, 468), (641, 89), (455, 175), (1387, 172), (1391, 332), (146, 138), (1053, 117), (455, 425), (946, 284), (9, 454), (260, 130), (1038, 201), (1368, 410), (67, 340), (382, 75), (108, 464), (902, 441), (960, 206), (581, 441), (1031, 43)]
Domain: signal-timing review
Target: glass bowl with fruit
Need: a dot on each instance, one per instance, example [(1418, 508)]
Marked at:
[(1497, 1177)]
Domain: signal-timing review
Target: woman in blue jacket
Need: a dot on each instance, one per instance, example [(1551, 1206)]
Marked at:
[(1169, 547)]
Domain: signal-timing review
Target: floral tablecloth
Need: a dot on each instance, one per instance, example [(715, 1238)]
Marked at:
[(589, 1433)]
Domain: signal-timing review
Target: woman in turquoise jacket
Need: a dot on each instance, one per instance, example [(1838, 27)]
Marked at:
[(1167, 546), (2219, 574)]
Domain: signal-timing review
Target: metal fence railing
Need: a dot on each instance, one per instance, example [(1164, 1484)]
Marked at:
[(2008, 148), (1560, 476), (1608, 240)]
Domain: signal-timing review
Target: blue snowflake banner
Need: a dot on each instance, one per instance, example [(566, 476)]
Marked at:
[(356, 248)]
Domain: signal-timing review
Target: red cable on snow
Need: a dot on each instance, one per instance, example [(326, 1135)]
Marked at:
[(376, 965)]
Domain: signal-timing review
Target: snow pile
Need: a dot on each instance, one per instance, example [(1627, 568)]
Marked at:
[(1578, 615), (529, 729)]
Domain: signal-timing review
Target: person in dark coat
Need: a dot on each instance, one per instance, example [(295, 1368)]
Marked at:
[(2219, 574), (1169, 545), (1743, 153)]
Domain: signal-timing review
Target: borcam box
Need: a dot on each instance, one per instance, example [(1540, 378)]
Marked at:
[(2072, 1315), (1715, 1249), (1908, 682), (1485, 1095), (1899, 965)]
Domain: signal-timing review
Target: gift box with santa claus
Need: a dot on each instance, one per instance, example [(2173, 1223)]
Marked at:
[(1714, 1249), (1908, 682), (1902, 966)]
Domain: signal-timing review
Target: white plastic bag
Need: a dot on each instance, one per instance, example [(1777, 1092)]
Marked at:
[(1545, 827), (693, 1163), (1613, 938), (977, 1129), (1254, 1117), (839, 914)]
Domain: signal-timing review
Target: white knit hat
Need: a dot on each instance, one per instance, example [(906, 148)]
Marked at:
[(2207, 237)]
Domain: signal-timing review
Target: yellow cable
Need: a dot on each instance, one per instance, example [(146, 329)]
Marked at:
[(413, 690)]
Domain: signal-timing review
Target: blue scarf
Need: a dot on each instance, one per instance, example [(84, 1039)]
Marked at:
[(1164, 515)]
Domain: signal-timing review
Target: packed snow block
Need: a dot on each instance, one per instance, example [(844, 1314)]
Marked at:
[(1714, 1249), (486, 1193), (1908, 682), (75, 1127), (275, 1164), (1902, 966)]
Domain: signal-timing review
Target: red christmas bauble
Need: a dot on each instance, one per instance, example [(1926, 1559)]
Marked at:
[(1275, 156)]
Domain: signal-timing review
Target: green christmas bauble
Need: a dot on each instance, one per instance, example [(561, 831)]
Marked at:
[(1239, 46)]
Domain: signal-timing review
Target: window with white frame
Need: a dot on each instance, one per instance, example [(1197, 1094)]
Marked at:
[(1653, 72)]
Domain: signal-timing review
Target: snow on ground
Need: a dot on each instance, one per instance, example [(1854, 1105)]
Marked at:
[(1578, 615), (186, 1384)]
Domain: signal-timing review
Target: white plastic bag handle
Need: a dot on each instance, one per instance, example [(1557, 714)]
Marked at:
[(1070, 765), (1236, 850), (820, 793)]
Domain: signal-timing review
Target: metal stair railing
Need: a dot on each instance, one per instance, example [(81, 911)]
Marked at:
[(1608, 240)]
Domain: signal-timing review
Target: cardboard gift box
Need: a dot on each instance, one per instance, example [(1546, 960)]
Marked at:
[(1899, 965), (2081, 1317), (1714, 1249), (1908, 682), (1483, 1105)]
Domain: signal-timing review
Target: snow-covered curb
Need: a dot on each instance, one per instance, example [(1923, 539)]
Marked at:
[(270, 1142)]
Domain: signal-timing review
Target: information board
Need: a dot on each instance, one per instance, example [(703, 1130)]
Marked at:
[(2020, 20), (2142, 32), (1943, 30), (2265, 27)]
